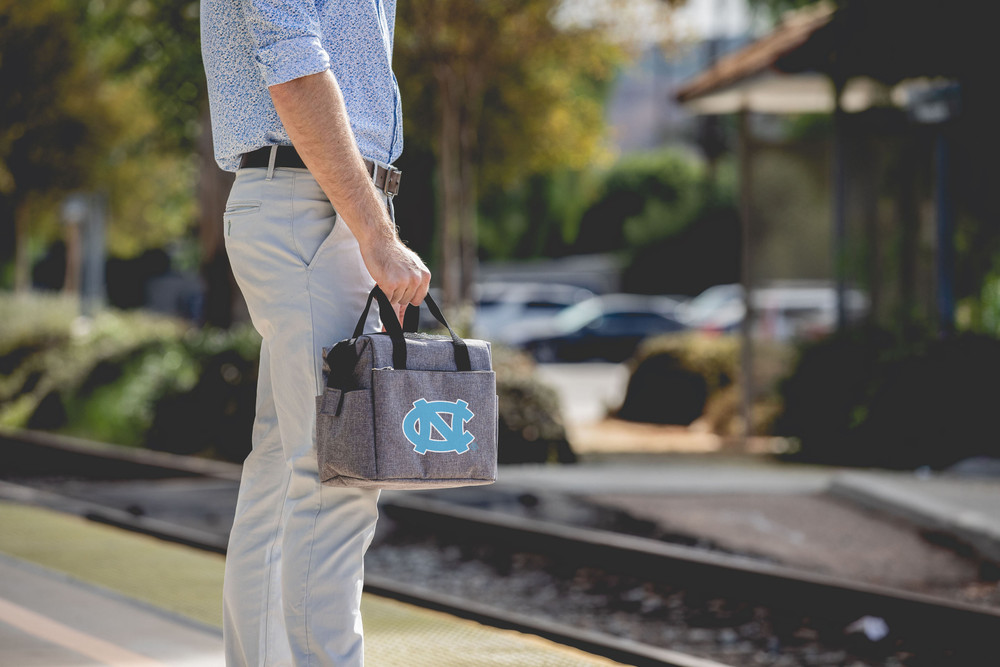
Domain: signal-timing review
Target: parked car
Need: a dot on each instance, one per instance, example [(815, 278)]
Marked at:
[(503, 309), (606, 327), (784, 311)]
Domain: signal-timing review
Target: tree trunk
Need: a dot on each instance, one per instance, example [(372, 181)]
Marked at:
[(467, 170), (450, 186), (907, 212), (74, 259), (22, 262)]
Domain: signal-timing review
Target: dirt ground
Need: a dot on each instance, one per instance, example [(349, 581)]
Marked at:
[(818, 533), (812, 531), (615, 436)]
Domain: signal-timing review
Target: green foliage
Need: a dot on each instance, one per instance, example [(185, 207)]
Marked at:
[(531, 428), (49, 356), (155, 44), (715, 358), (49, 116), (34, 321), (122, 410), (674, 375), (133, 378), (537, 217), (534, 92), (775, 8), (867, 398), (645, 197), (637, 202), (78, 116), (105, 378), (497, 93), (677, 378)]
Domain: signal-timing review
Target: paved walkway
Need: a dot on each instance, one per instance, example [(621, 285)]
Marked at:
[(76, 593), (48, 620)]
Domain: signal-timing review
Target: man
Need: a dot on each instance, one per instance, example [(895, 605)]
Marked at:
[(308, 234)]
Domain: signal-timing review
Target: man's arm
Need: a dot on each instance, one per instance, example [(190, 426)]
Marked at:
[(312, 110)]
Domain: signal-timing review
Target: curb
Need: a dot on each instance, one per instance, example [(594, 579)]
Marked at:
[(973, 529), (21, 448)]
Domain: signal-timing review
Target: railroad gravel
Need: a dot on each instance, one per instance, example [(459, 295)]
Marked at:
[(734, 632), (812, 532)]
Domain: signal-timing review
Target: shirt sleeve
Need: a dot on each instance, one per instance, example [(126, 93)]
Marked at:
[(287, 38)]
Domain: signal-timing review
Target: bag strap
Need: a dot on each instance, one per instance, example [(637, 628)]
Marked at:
[(411, 320), (391, 323)]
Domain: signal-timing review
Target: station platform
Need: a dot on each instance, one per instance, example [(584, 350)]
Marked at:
[(75, 593)]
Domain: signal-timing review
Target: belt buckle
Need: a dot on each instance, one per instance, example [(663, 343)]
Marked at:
[(389, 170)]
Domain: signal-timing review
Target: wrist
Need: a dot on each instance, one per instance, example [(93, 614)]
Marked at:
[(377, 232)]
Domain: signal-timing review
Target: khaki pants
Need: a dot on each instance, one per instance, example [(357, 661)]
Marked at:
[(294, 568)]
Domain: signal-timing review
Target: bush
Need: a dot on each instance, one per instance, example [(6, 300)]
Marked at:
[(117, 377), (531, 428), (679, 378), (867, 399), (136, 379), (68, 357), (825, 395), (674, 375)]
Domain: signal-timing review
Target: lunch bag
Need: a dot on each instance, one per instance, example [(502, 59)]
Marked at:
[(405, 410)]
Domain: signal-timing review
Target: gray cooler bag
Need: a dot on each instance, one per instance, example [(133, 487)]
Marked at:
[(403, 410)]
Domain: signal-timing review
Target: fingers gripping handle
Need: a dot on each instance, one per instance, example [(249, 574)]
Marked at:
[(391, 323)]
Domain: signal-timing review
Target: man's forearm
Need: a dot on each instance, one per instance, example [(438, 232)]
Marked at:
[(312, 110)]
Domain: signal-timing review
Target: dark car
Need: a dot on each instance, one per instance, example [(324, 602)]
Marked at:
[(606, 327)]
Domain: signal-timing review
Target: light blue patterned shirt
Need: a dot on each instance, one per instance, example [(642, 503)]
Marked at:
[(248, 45)]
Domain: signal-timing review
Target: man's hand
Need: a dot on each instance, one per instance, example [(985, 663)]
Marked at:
[(399, 271), (312, 110)]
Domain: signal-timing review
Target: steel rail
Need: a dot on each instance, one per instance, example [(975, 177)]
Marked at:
[(923, 618), (917, 615)]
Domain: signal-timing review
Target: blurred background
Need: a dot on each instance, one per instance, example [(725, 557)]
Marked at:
[(753, 198), (709, 239)]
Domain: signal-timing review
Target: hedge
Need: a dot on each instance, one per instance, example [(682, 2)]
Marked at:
[(138, 379)]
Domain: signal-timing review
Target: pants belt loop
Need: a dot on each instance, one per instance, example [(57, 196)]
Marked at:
[(270, 162)]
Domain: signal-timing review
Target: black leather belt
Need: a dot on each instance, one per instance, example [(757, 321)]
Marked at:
[(386, 180)]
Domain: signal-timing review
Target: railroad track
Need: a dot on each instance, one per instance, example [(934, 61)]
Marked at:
[(926, 625)]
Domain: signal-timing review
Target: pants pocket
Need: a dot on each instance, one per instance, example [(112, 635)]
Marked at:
[(314, 220), (236, 209)]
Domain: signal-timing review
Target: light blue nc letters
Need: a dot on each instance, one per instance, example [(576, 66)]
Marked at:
[(425, 418)]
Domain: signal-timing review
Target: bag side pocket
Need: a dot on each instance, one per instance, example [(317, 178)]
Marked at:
[(345, 436)]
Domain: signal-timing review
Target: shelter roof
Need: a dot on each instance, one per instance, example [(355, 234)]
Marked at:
[(760, 56)]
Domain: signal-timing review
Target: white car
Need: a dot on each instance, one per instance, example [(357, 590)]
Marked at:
[(783, 310), (503, 309)]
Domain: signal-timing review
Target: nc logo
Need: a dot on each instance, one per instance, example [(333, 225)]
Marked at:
[(427, 417)]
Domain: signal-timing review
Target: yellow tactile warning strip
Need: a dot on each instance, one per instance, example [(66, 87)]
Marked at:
[(189, 582), (46, 629), (170, 576)]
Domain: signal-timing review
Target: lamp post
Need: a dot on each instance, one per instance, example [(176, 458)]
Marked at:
[(84, 214), (938, 105)]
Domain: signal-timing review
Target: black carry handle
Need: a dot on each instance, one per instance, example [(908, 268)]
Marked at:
[(391, 323), (411, 320)]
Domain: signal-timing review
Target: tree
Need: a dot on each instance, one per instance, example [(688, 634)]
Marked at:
[(498, 90), (65, 125), (49, 115), (159, 42)]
